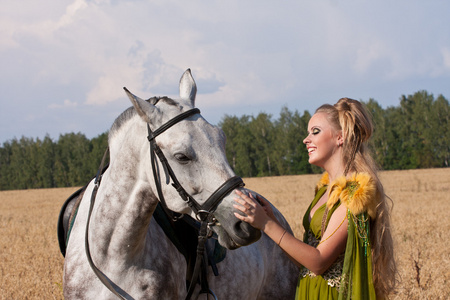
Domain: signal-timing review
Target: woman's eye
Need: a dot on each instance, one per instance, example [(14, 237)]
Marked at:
[(315, 131), (182, 158)]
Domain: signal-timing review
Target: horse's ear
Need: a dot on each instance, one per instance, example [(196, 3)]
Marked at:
[(188, 88), (143, 108)]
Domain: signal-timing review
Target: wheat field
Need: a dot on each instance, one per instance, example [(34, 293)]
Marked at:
[(31, 265)]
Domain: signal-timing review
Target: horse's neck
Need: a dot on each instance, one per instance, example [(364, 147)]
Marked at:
[(124, 204)]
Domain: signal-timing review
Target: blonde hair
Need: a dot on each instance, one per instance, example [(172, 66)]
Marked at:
[(351, 117)]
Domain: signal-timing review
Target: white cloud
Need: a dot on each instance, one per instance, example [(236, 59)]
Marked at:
[(368, 54), (249, 87), (66, 104), (71, 11), (108, 85)]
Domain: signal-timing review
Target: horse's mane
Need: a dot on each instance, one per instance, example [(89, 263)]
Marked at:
[(131, 112), (121, 119)]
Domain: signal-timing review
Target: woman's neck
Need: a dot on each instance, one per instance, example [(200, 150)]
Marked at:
[(335, 166), (335, 171)]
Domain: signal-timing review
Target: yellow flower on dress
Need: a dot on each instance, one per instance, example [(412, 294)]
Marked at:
[(358, 193)]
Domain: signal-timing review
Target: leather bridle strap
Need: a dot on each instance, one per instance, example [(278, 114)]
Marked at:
[(226, 188), (156, 151), (171, 122), (199, 209)]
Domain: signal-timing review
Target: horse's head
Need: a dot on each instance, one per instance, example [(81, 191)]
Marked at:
[(195, 151)]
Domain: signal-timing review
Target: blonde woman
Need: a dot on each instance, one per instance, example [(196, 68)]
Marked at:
[(347, 248)]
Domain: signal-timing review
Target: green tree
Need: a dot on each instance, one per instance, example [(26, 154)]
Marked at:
[(416, 129), (23, 164), (396, 154), (379, 141), (72, 165), (5, 166), (98, 146), (46, 162), (440, 128), (283, 149), (261, 129), (290, 153), (230, 127), (238, 145)]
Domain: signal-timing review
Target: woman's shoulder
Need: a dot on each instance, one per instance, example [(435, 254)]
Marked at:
[(323, 182), (358, 192)]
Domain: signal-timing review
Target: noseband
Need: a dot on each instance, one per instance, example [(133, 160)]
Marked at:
[(204, 212)]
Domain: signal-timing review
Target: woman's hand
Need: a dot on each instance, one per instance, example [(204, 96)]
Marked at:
[(253, 213), (266, 206)]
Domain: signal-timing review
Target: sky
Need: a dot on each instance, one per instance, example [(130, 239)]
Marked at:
[(64, 63)]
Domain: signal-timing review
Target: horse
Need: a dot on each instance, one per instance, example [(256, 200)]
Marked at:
[(117, 248)]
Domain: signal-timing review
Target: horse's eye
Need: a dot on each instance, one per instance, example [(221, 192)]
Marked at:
[(183, 159)]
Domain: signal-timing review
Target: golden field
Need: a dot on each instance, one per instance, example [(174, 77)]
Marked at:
[(31, 265)]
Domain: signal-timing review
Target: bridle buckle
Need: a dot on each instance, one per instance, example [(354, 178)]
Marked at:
[(202, 215)]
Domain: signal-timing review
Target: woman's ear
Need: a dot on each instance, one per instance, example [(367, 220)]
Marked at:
[(340, 139)]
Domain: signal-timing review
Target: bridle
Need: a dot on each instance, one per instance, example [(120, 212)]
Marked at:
[(204, 212)]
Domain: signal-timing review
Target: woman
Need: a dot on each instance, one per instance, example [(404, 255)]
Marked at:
[(347, 249)]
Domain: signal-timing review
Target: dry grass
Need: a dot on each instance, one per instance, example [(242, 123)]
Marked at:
[(31, 264)]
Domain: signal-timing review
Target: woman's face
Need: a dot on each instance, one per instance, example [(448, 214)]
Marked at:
[(322, 141)]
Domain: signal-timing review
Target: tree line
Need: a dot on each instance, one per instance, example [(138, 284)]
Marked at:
[(70, 161), (414, 134)]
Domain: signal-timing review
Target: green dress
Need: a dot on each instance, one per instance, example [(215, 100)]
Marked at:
[(350, 276)]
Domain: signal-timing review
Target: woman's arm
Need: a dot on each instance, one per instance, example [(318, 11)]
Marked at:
[(317, 259)]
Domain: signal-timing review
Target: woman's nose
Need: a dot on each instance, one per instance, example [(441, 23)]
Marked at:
[(306, 140)]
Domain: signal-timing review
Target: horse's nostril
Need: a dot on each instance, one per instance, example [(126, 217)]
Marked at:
[(245, 234)]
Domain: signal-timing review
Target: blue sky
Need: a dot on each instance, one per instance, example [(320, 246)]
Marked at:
[(64, 62)]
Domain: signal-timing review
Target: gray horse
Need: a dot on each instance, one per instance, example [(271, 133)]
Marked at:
[(127, 245)]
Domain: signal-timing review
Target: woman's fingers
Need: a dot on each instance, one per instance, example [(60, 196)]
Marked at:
[(244, 204), (247, 198), (240, 217), (246, 209), (249, 210)]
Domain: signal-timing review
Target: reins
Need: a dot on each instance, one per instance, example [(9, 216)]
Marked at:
[(204, 212)]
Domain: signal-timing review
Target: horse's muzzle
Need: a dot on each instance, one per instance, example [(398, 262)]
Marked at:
[(245, 234), (234, 233)]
